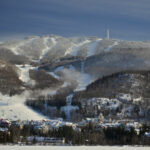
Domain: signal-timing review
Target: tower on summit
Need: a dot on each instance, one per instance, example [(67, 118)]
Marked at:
[(107, 35)]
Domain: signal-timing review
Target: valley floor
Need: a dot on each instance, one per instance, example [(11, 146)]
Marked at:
[(73, 148)]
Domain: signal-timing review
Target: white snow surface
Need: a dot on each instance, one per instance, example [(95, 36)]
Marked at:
[(59, 68), (8, 147), (65, 84), (19, 112), (125, 97), (47, 48), (111, 46), (84, 78), (137, 99), (24, 72), (92, 47), (73, 50), (147, 134), (71, 67), (13, 108), (54, 75), (83, 81), (16, 47), (69, 108)]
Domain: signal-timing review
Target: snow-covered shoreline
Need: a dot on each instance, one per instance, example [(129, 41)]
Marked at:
[(73, 147)]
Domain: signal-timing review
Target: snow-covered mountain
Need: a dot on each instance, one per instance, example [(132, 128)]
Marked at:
[(51, 64), (57, 47)]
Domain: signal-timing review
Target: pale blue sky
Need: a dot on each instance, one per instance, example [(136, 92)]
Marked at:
[(126, 19)]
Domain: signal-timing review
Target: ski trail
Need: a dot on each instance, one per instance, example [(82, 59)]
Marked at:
[(111, 46), (47, 48), (69, 108), (92, 47), (15, 48), (24, 72), (14, 108), (73, 50), (82, 66)]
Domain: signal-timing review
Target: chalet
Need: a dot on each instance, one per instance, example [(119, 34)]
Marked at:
[(4, 123), (50, 140), (147, 134)]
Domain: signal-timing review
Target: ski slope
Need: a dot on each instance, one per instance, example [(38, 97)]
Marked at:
[(47, 48), (16, 46), (84, 78), (19, 111), (92, 47), (111, 46), (13, 108), (69, 108), (24, 72), (73, 50)]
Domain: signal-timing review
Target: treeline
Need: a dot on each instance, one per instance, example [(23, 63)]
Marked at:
[(8, 56), (43, 79), (50, 105), (109, 86), (110, 136), (88, 135), (10, 83)]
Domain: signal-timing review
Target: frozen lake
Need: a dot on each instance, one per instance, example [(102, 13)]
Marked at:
[(72, 148)]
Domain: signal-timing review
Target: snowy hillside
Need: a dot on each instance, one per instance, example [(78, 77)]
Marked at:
[(50, 65), (38, 47)]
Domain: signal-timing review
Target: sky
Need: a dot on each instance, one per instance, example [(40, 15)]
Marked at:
[(126, 19)]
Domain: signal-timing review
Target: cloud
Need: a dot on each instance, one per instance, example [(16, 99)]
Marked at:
[(126, 19)]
